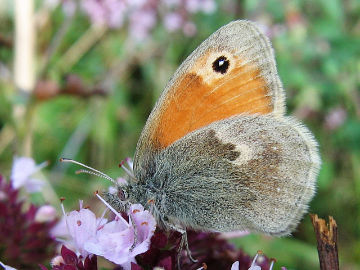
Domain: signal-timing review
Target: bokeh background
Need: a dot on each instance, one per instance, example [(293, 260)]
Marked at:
[(83, 78)]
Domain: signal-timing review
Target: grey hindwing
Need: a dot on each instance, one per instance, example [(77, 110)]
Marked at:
[(252, 173)]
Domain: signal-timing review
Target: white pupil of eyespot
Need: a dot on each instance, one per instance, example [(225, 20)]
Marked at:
[(221, 62)]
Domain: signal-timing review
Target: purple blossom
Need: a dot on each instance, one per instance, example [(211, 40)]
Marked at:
[(25, 242), (206, 6), (76, 228), (141, 22), (335, 118), (116, 241), (106, 12), (189, 29), (173, 21), (69, 7), (82, 226), (45, 213), (22, 174), (141, 16)]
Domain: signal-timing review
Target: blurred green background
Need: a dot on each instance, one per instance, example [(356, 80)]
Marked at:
[(317, 47)]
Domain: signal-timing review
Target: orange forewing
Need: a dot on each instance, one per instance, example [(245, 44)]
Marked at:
[(194, 103)]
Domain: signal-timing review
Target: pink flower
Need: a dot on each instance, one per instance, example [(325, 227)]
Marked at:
[(141, 22), (116, 13), (22, 174), (69, 7), (60, 230), (335, 118), (81, 226), (105, 12), (76, 228), (206, 6), (25, 242), (116, 241), (189, 29), (173, 21), (136, 3), (45, 213), (113, 240)]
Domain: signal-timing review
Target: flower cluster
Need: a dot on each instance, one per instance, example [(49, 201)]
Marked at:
[(119, 240), (70, 261), (24, 230), (141, 16)]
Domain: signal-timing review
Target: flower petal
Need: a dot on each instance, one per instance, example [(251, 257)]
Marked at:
[(235, 266), (82, 227)]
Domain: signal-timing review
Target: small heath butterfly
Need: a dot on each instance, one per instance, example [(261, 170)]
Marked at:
[(217, 152)]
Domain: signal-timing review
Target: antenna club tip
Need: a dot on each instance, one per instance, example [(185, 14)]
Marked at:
[(61, 159), (96, 192), (62, 199)]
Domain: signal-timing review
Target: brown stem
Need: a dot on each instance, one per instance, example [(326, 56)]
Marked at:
[(5, 42), (74, 86), (326, 235)]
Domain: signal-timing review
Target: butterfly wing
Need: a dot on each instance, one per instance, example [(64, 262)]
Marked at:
[(230, 73), (247, 172)]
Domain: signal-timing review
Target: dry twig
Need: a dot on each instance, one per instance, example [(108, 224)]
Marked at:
[(326, 236)]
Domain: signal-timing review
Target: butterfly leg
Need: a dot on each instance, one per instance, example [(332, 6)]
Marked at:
[(183, 241)]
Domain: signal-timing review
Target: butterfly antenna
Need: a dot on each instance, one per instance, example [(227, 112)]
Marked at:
[(93, 173), (90, 171)]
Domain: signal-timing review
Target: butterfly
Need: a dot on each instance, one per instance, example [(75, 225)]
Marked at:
[(217, 152)]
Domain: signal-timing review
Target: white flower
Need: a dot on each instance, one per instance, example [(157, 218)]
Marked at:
[(22, 174), (6, 267)]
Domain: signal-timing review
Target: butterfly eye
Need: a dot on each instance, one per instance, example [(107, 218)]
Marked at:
[(221, 65), (122, 194)]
